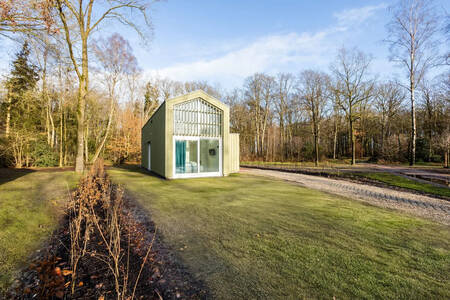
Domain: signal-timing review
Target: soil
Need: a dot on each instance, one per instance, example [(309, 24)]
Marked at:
[(163, 275)]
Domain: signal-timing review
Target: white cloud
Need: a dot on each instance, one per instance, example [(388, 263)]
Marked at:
[(274, 53), (359, 15)]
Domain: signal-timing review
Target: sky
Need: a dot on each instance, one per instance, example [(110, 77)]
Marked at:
[(223, 42)]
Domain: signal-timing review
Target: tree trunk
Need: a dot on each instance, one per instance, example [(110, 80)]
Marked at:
[(105, 137), (383, 130), (430, 146), (446, 159), (52, 124), (412, 160), (335, 137), (352, 142), (316, 149), (65, 138), (81, 108), (86, 145), (8, 116), (61, 137)]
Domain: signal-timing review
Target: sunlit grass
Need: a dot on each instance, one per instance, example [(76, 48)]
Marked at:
[(251, 237), (30, 207), (400, 181)]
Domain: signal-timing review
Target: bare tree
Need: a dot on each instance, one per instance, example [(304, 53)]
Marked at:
[(115, 55), (79, 19), (411, 38), (352, 86), (26, 16), (284, 106), (314, 96), (254, 97), (388, 99)]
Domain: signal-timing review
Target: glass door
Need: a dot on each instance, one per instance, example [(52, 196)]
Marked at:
[(209, 155), (197, 157), (186, 156)]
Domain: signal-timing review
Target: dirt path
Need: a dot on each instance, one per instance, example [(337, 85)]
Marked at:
[(424, 206)]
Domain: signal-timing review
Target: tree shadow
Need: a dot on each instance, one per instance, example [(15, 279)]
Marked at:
[(10, 174), (135, 168)]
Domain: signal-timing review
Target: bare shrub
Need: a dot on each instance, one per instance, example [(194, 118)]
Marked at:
[(99, 229)]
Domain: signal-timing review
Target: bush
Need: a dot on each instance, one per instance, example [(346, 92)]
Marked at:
[(43, 155), (6, 158), (436, 158)]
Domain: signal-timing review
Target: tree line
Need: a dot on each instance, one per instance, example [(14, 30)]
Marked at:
[(73, 94)]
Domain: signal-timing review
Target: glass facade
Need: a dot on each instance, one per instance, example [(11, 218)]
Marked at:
[(197, 118), (197, 131), (186, 156), (209, 155)]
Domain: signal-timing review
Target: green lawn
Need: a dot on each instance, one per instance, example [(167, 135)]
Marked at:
[(30, 207), (251, 237), (400, 181)]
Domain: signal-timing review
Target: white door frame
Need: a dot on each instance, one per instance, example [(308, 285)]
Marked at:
[(198, 174)]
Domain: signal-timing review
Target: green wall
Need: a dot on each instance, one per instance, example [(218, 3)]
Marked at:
[(154, 132)]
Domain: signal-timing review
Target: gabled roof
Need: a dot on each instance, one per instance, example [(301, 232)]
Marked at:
[(190, 96), (197, 94)]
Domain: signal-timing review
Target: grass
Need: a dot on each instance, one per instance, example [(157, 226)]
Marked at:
[(250, 237), (400, 181), (304, 164), (385, 177), (30, 207)]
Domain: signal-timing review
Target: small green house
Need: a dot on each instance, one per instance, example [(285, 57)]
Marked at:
[(189, 136)]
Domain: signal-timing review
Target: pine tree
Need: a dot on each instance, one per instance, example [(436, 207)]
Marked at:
[(23, 78)]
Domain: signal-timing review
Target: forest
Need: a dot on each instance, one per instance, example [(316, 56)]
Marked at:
[(73, 94)]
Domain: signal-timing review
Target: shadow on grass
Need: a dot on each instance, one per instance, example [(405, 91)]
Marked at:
[(9, 174), (132, 168)]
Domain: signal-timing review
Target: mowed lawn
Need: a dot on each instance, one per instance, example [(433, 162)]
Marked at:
[(251, 237), (400, 181), (31, 204)]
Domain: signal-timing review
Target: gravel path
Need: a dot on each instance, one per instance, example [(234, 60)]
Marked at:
[(424, 206)]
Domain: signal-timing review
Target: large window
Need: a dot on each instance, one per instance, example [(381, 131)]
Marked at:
[(195, 155), (186, 156), (197, 118)]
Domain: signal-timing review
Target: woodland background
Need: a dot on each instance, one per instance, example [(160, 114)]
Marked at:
[(52, 115)]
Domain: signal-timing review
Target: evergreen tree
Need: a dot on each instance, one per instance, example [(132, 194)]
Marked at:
[(22, 79)]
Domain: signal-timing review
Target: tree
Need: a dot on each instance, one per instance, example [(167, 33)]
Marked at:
[(284, 106), (259, 90), (314, 96), (85, 21), (388, 99), (412, 43), (23, 78), (151, 100), (351, 86), (115, 55), (27, 16)]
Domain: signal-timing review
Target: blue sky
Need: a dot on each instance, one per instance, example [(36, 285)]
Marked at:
[(225, 41)]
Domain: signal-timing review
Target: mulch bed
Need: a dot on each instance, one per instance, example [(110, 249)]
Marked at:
[(163, 276)]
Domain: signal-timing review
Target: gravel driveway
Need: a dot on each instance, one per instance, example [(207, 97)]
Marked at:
[(424, 206)]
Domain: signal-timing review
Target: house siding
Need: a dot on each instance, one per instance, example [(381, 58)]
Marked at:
[(154, 132)]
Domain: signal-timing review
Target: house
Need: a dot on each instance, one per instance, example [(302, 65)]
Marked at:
[(189, 136)]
